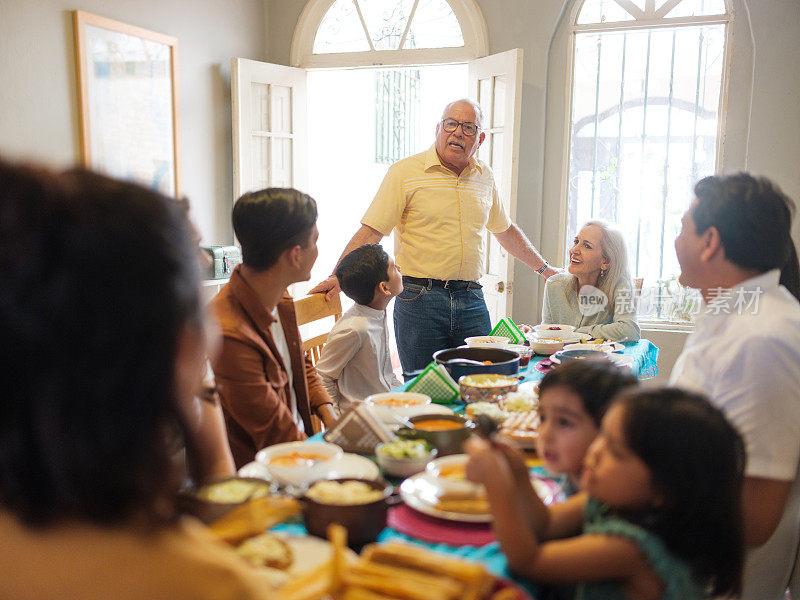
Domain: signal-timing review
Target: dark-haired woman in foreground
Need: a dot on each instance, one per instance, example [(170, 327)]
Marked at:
[(103, 344)]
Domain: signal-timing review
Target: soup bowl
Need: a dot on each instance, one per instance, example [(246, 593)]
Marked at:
[(298, 463), (446, 433), (552, 330), (401, 404)]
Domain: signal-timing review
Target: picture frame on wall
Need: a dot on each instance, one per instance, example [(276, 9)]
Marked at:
[(128, 99)]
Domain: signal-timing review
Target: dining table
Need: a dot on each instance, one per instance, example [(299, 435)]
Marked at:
[(476, 541)]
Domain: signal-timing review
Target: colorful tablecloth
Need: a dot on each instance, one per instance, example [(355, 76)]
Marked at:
[(645, 355)]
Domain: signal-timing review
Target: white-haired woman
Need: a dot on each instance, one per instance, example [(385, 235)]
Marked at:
[(595, 293)]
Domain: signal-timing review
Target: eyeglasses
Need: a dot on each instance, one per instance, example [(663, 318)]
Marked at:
[(468, 129)]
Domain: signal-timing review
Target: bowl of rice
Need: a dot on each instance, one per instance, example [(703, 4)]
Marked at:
[(360, 505)]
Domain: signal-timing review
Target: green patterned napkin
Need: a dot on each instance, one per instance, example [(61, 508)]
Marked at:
[(507, 328), (435, 381)]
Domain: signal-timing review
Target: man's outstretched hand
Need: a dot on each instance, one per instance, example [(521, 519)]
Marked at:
[(329, 287)]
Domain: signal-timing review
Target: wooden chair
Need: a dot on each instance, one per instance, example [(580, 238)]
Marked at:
[(313, 308)]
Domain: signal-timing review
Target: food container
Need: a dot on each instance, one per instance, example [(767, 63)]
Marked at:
[(213, 500), (486, 387), (501, 361), (446, 433), (448, 473), (364, 522), (401, 404), (487, 341), (545, 346), (566, 355), (552, 330), (525, 353), (404, 466), (312, 461)]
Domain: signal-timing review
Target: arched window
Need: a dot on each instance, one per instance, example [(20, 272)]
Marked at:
[(351, 33), (646, 122)]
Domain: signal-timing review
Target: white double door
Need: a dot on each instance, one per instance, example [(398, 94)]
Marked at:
[(270, 141)]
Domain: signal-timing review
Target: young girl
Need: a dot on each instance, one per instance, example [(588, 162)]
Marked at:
[(573, 398), (659, 516)]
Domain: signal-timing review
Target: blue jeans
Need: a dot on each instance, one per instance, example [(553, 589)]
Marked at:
[(431, 318)]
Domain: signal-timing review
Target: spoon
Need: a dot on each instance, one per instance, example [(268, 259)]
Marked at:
[(463, 361)]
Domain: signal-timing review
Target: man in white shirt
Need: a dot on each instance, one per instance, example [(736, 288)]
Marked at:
[(744, 353), (355, 361)]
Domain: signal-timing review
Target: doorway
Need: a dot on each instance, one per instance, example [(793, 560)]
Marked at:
[(360, 121)]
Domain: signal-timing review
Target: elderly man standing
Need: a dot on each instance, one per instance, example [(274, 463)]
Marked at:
[(744, 353), (440, 203)]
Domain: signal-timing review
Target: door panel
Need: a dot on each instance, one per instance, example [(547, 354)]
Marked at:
[(496, 83), (269, 126)]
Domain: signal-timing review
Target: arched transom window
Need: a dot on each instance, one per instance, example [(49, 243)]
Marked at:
[(646, 122), (342, 33)]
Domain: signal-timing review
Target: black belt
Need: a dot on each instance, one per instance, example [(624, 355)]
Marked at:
[(450, 284)]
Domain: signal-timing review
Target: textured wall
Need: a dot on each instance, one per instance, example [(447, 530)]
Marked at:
[(38, 97)]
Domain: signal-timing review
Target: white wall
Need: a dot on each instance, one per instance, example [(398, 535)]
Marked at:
[(38, 94)]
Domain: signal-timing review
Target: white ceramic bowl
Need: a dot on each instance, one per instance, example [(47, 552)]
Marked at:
[(458, 486), (402, 404), (405, 466), (545, 346), (314, 461), (546, 330), (487, 341)]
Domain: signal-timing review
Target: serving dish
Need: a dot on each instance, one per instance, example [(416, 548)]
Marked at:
[(552, 329), (214, 499), (297, 463), (447, 438), (364, 521), (486, 387), (500, 360), (566, 355), (404, 466), (388, 406), (487, 341), (449, 475), (421, 494)]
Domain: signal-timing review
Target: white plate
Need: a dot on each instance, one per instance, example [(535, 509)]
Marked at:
[(421, 493), (568, 337), (309, 552), (353, 465), (603, 347), (349, 465)]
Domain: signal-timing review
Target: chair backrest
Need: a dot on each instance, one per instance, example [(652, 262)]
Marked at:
[(313, 308)]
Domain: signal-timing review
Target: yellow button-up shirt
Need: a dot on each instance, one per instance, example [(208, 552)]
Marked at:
[(440, 217)]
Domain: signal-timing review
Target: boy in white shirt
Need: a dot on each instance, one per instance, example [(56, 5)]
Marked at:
[(355, 360)]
